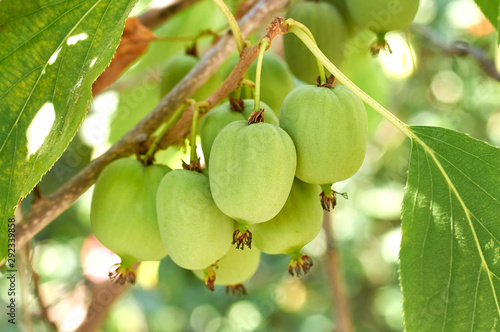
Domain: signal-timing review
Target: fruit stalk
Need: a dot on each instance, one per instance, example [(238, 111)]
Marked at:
[(193, 157), (149, 156), (263, 46), (294, 26), (400, 125), (238, 37), (247, 82)]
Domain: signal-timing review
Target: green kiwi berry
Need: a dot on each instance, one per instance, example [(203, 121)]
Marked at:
[(383, 15), (236, 267), (297, 224), (329, 129), (251, 173), (224, 114), (193, 230), (123, 211), (327, 26)]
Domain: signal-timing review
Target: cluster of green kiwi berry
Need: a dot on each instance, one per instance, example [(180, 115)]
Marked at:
[(267, 181)]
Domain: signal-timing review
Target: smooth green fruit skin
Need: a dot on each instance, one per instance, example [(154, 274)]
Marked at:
[(123, 209), (326, 24), (221, 116), (383, 15), (329, 129), (251, 170), (194, 231), (177, 67), (350, 25), (297, 224), (236, 267)]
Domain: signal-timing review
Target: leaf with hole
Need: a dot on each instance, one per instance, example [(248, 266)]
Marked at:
[(52, 51)]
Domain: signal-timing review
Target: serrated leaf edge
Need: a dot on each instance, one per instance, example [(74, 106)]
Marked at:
[(415, 139)]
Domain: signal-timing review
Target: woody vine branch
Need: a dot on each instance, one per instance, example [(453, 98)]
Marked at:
[(49, 207)]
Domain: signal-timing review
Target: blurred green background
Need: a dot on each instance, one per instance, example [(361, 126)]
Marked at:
[(417, 82)]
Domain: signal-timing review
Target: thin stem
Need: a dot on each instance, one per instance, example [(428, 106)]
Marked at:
[(263, 46), (295, 25), (237, 92), (238, 37), (193, 156), (400, 125), (171, 121), (247, 82)]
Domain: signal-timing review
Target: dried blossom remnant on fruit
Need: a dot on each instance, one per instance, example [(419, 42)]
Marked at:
[(380, 45), (242, 239), (236, 104), (329, 199), (256, 117), (330, 81), (121, 275), (376, 47), (192, 166), (300, 266), (210, 276), (237, 289)]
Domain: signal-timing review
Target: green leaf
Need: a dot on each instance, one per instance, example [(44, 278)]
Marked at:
[(450, 250), (52, 51), (491, 9)]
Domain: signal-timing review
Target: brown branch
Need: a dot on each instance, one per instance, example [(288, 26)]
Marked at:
[(24, 268), (341, 309), (28, 275), (155, 17), (103, 296), (181, 129), (134, 42), (44, 310), (458, 48), (49, 207)]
